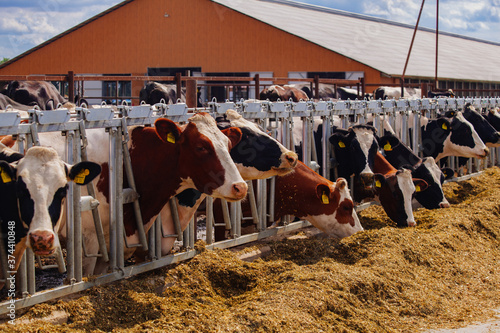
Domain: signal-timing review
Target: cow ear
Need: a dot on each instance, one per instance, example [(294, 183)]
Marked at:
[(7, 173), (388, 142), (444, 124), (338, 140), (234, 134), (84, 172), (323, 193), (167, 130), (420, 184), (378, 181), (448, 173)]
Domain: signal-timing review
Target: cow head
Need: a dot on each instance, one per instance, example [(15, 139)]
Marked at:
[(257, 155), (395, 192), (488, 134), (203, 152), (41, 182), (326, 205), (399, 155), (338, 217), (452, 137), (354, 151), (493, 118)]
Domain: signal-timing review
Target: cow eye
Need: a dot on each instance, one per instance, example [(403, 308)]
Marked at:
[(201, 149)]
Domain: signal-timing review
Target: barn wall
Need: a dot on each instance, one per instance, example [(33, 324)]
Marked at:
[(187, 33)]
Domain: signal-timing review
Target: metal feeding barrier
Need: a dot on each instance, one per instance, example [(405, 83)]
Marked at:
[(285, 120)]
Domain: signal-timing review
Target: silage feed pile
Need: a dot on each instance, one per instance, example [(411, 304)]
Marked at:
[(443, 273)]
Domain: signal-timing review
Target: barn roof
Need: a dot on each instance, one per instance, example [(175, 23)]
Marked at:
[(378, 43)]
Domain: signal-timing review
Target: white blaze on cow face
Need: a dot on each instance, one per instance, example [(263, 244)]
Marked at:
[(330, 223), (436, 173), (365, 138), (453, 149), (234, 187), (407, 187), (44, 176)]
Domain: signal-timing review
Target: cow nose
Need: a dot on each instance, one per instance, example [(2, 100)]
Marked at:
[(367, 179), (444, 205), (486, 152), (289, 160), (42, 241), (412, 223), (240, 190)]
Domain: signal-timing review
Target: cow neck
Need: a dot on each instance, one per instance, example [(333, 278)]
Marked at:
[(155, 167), (295, 191), (381, 165)]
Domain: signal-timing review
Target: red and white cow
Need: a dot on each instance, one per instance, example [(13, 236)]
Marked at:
[(257, 156), (394, 189), (32, 189)]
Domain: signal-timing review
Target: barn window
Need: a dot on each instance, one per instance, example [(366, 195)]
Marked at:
[(115, 92)]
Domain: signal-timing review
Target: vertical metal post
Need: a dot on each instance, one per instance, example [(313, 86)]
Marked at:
[(70, 212), (112, 198), (209, 219), (120, 262), (30, 271), (77, 215), (326, 147)]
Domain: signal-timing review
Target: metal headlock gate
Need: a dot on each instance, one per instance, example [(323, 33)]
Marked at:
[(280, 118)]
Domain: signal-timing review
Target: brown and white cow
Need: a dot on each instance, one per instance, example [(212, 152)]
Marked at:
[(32, 189), (326, 205), (283, 93)]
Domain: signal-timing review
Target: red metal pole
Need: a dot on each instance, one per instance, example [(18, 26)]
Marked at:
[(411, 45), (437, 34)]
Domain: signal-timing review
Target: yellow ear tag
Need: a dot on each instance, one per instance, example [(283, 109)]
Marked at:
[(452, 114), (80, 178), (387, 147), (341, 144), (5, 176), (171, 137), (417, 188), (444, 127), (378, 184), (324, 198)]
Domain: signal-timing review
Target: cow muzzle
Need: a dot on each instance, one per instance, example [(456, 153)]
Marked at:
[(484, 153), (367, 180), (288, 160), (444, 204), (42, 242), (238, 191)]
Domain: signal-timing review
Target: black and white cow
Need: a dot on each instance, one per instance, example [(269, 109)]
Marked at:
[(434, 94), (356, 153), (444, 137), (32, 189), (488, 134), (493, 118), (399, 155), (349, 93), (395, 92)]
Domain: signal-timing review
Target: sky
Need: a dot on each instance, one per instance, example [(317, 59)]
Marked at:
[(27, 23)]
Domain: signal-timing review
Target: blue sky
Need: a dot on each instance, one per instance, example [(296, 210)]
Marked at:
[(27, 23)]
